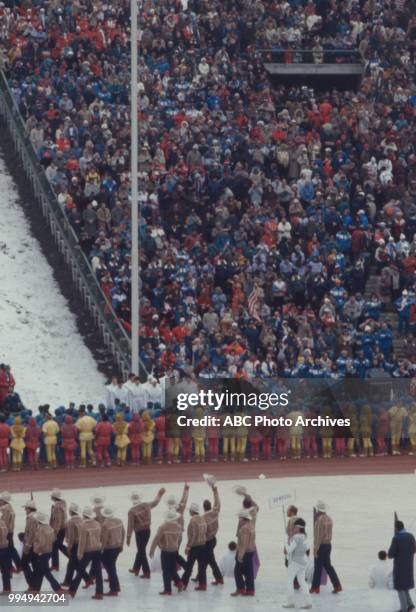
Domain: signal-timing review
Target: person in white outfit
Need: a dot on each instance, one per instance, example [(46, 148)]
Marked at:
[(227, 562), (296, 551), (381, 574)]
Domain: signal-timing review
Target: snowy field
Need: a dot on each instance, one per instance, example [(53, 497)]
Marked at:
[(362, 509), (39, 338)]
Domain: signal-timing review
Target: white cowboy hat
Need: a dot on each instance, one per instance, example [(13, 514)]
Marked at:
[(56, 494), (240, 490), (98, 500), (210, 479), (74, 508), (321, 506), (172, 515), (194, 508), (245, 514), (171, 500), (108, 512), (30, 504), (135, 498), (5, 496), (41, 517), (88, 512)]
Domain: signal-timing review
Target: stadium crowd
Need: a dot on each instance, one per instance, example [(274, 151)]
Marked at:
[(262, 208)]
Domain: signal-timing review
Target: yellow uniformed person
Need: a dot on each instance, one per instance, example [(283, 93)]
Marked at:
[(86, 425), (241, 433), (296, 432), (397, 414), (366, 428), (50, 430), (17, 443), (412, 428), (350, 413), (327, 433), (148, 435), (174, 432), (121, 440), (198, 435), (228, 438)]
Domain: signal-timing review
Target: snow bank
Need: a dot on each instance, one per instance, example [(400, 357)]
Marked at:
[(39, 338)]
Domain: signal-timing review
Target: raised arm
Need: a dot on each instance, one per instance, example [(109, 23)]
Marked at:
[(217, 503), (157, 499), (184, 499)]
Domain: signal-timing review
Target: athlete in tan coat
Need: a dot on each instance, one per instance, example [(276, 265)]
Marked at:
[(5, 557), (42, 551), (72, 539), (139, 521), (246, 547), (8, 516), (196, 548), (211, 516), (28, 558), (168, 539), (112, 539), (322, 549), (58, 523), (89, 551), (172, 504)]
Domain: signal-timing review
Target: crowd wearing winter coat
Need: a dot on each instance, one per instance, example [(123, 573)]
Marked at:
[(262, 209)]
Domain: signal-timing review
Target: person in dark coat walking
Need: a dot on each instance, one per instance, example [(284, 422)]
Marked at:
[(402, 550)]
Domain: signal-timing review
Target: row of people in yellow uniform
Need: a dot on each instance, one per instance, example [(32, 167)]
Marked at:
[(144, 438)]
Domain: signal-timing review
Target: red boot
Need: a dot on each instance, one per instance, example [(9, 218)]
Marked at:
[(237, 593)]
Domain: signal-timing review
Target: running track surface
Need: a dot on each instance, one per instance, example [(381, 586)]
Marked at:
[(44, 480)]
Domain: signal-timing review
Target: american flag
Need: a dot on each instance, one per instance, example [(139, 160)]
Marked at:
[(253, 305)]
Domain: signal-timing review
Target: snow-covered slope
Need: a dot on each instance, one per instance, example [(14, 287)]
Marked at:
[(38, 334)]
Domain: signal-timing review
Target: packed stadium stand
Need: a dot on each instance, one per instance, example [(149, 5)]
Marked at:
[(278, 221)]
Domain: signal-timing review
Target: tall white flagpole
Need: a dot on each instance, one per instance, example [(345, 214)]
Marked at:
[(135, 239)]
